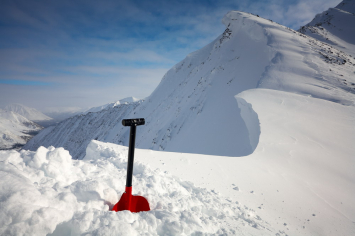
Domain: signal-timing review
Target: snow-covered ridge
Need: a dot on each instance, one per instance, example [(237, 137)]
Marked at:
[(112, 104), (347, 5), (193, 109), (335, 27)]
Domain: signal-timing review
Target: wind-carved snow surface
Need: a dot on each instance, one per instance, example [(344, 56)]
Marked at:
[(52, 194)]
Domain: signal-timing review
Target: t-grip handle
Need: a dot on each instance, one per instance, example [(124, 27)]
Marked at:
[(135, 122)]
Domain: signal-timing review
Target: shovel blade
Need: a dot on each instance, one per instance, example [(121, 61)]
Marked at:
[(131, 203)]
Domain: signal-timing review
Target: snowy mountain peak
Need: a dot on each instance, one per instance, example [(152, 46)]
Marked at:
[(29, 113), (112, 104), (335, 27), (347, 5), (128, 100)]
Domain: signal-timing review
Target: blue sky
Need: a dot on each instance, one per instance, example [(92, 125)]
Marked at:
[(84, 53)]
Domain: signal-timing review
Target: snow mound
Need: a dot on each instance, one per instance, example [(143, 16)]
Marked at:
[(52, 194)]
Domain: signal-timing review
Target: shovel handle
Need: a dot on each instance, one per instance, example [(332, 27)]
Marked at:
[(133, 123)]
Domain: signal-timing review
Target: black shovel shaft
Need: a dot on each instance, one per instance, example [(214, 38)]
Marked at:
[(132, 140)]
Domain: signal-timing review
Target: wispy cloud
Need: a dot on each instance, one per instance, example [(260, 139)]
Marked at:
[(24, 82)]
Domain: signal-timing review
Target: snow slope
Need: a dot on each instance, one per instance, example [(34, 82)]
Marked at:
[(28, 112), (335, 27), (15, 130), (193, 109), (300, 178)]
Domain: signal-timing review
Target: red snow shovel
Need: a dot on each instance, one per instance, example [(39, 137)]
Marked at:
[(128, 201)]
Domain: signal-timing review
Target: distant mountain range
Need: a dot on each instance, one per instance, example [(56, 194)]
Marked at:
[(19, 123), (15, 130), (28, 112)]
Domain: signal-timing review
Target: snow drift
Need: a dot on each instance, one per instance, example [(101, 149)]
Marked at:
[(51, 194)]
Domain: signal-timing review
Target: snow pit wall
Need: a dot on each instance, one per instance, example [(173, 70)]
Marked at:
[(251, 120)]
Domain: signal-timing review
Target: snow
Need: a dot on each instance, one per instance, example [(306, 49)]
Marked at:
[(113, 104), (335, 27), (298, 181), (347, 5), (51, 194), (301, 173)]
